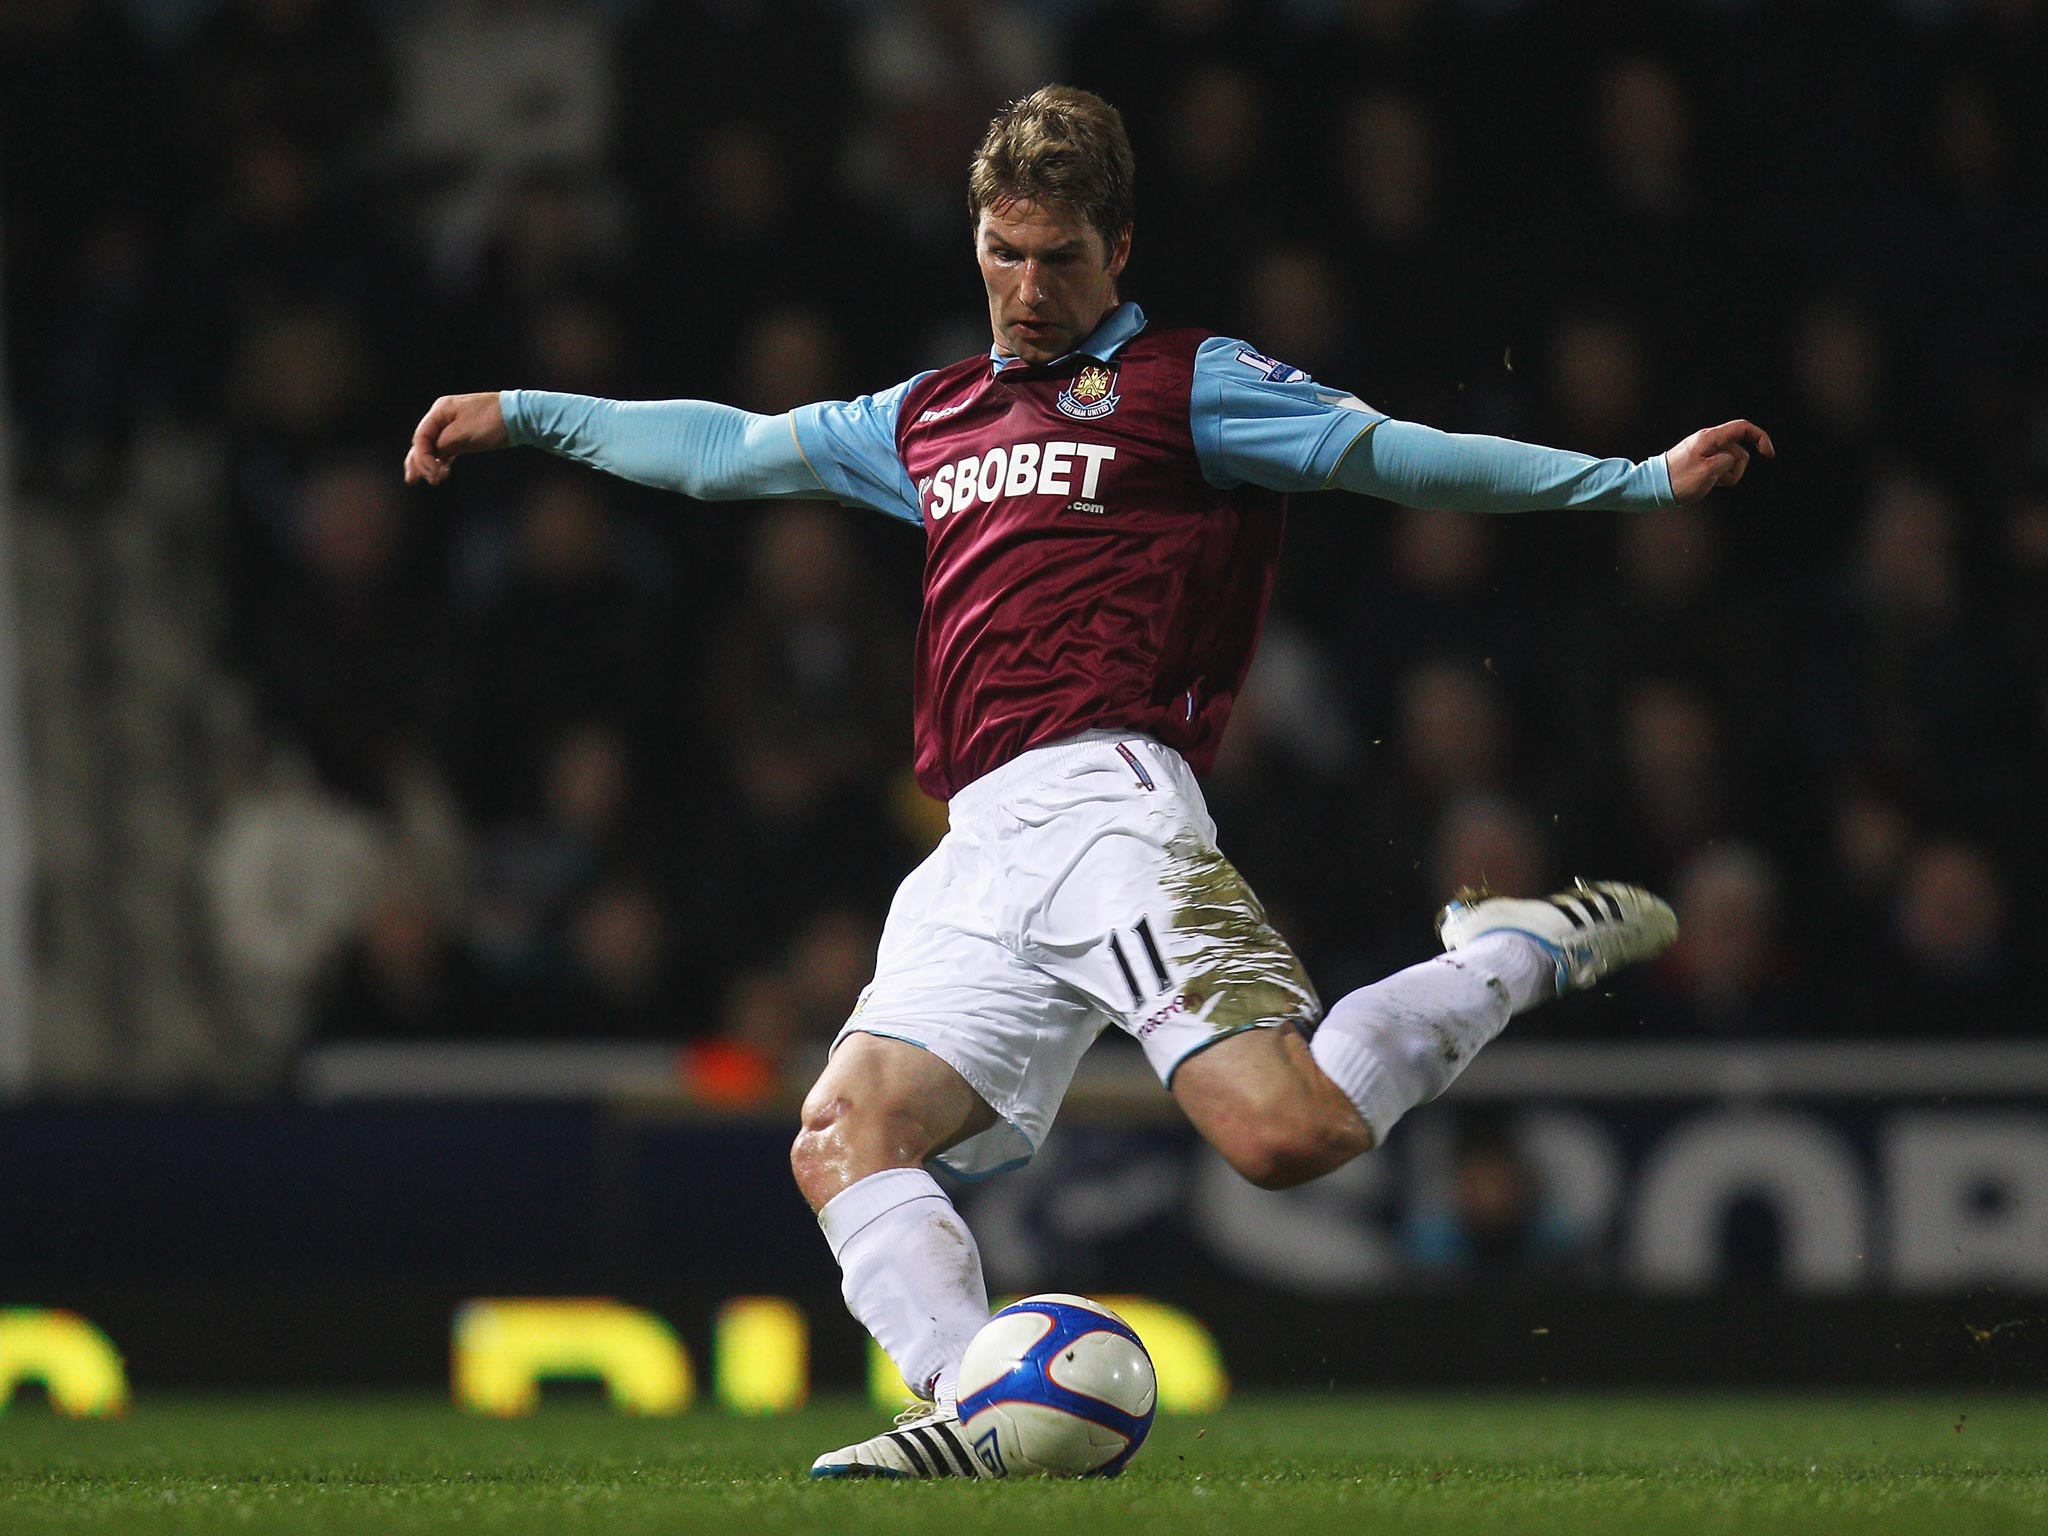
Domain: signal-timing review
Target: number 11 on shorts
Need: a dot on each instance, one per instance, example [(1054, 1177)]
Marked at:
[(1116, 947)]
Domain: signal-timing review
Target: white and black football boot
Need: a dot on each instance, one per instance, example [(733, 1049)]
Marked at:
[(1589, 931), (926, 1442)]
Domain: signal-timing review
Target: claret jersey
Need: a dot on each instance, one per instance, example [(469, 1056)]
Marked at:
[(1088, 564), (1101, 532)]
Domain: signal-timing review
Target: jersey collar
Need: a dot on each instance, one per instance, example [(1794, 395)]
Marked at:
[(1101, 344)]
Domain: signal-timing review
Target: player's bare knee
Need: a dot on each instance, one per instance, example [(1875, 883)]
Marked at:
[(1287, 1151), (844, 1138), (820, 1148)]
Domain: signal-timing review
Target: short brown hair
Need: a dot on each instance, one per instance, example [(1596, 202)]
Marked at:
[(1057, 145)]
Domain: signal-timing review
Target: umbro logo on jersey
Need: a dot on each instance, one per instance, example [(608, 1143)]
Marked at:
[(1022, 469), (1091, 394)]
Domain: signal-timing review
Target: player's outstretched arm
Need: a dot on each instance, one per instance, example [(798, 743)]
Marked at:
[(843, 450), (454, 425), (1261, 422), (1713, 457), (1418, 466), (697, 447)]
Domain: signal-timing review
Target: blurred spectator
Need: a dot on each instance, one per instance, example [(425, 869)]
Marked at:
[(84, 182), (1189, 262), (808, 699), (621, 977), (1413, 357), (1728, 975), (1485, 843), (1295, 308), (809, 683), (1285, 789), (1839, 373), (789, 358), (282, 236), (1439, 597), (1904, 689), (1677, 800), (777, 1019), (532, 870), (1644, 133), (1596, 381), (927, 71), (298, 374), (573, 341), (1497, 1222), (405, 977), (567, 632), (315, 70), (348, 655), (1139, 52), (289, 870), (1453, 731), (491, 89), (1948, 964)]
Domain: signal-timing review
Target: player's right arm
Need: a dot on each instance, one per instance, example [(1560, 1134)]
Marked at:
[(844, 450)]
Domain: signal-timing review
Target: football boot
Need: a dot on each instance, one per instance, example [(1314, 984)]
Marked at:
[(1588, 931), (926, 1442)]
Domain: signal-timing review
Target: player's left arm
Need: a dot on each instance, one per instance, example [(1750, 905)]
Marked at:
[(1257, 421)]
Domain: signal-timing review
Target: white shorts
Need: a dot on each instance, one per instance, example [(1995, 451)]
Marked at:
[(1079, 886)]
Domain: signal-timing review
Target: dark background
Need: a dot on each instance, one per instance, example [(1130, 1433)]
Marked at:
[(541, 757)]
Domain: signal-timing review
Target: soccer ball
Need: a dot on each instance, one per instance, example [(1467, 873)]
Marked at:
[(1057, 1386)]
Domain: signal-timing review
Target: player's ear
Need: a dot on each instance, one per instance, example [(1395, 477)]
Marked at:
[(1120, 254)]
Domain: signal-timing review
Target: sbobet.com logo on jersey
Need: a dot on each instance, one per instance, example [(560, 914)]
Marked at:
[(1091, 395)]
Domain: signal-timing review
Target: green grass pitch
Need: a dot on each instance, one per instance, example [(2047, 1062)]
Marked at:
[(1276, 1466)]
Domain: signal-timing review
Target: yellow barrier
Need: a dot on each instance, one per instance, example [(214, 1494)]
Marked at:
[(886, 1389), (761, 1355), (1183, 1351), (504, 1349), (76, 1363)]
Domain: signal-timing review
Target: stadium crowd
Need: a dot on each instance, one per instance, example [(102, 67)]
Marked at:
[(587, 761)]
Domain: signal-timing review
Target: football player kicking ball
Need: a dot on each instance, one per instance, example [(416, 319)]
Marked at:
[(1102, 507)]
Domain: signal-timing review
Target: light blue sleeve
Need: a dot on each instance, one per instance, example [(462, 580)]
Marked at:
[(1260, 422), (1419, 466), (846, 450), (712, 452), (851, 445)]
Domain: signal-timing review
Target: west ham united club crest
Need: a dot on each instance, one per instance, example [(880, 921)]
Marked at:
[(1092, 393)]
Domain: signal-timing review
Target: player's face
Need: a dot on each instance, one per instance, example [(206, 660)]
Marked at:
[(1050, 276)]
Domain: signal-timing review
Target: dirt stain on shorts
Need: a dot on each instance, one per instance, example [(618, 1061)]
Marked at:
[(1223, 949)]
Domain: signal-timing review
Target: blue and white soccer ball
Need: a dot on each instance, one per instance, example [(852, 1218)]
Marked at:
[(1056, 1386)]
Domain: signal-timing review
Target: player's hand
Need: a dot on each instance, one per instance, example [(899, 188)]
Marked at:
[(453, 425), (1714, 457)]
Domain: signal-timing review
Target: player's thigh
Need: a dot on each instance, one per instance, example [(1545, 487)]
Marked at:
[(889, 1098)]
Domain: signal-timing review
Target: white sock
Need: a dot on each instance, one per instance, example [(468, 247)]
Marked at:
[(912, 1273), (1402, 1041)]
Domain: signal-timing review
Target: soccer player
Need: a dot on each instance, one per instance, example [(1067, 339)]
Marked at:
[(1102, 507)]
